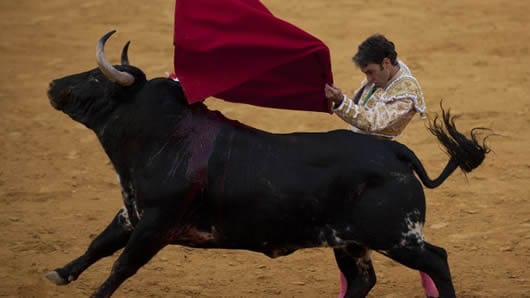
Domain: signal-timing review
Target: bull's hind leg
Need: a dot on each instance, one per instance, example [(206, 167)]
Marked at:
[(429, 259), (113, 238), (357, 272)]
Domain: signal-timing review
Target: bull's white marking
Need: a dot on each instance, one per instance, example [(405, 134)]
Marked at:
[(400, 177), (138, 213), (125, 221), (384, 252), (332, 240), (414, 233), (322, 237), (128, 194), (336, 238), (364, 261)]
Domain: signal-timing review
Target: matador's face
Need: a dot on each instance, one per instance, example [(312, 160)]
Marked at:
[(378, 74)]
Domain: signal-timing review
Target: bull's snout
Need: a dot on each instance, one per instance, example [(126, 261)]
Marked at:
[(50, 87), (52, 98)]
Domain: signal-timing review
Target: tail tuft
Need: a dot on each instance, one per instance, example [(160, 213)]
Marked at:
[(467, 153)]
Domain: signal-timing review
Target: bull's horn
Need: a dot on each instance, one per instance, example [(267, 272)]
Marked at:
[(120, 77), (124, 54)]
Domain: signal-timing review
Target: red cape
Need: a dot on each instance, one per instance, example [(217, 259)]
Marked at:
[(238, 51)]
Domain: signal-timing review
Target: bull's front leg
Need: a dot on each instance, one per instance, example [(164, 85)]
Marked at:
[(153, 232), (113, 238)]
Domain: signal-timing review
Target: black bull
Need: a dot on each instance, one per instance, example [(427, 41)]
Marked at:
[(190, 176)]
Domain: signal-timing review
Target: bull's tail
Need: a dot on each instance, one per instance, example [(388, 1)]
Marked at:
[(465, 153)]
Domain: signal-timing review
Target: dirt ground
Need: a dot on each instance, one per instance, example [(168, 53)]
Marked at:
[(58, 190)]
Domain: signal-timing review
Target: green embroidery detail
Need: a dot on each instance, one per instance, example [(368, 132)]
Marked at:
[(372, 91)]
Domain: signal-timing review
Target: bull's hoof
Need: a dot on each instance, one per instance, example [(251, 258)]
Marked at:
[(54, 277)]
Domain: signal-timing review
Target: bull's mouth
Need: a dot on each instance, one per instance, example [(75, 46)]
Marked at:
[(52, 101)]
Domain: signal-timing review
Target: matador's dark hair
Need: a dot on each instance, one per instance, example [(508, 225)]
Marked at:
[(374, 49)]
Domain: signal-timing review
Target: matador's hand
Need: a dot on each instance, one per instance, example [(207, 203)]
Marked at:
[(333, 94)]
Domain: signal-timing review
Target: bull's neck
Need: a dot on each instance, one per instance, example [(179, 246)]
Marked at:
[(145, 143)]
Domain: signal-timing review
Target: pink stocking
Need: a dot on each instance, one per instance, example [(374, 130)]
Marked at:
[(426, 282), (343, 286), (428, 285)]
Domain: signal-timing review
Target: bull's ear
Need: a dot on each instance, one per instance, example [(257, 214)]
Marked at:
[(126, 93)]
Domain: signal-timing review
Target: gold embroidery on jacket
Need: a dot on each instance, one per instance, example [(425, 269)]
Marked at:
[(386, 112)]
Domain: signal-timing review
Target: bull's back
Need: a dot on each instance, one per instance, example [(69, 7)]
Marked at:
[(259, 175), (298, 162)]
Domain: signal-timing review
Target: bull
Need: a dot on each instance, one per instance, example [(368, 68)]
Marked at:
[(189, 176)]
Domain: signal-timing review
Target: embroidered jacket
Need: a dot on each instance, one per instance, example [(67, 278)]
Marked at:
[(384, 112)]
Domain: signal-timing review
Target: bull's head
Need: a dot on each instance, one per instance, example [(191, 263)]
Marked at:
[(95, 93)]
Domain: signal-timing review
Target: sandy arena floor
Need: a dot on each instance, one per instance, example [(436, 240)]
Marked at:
[(57, 189)]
